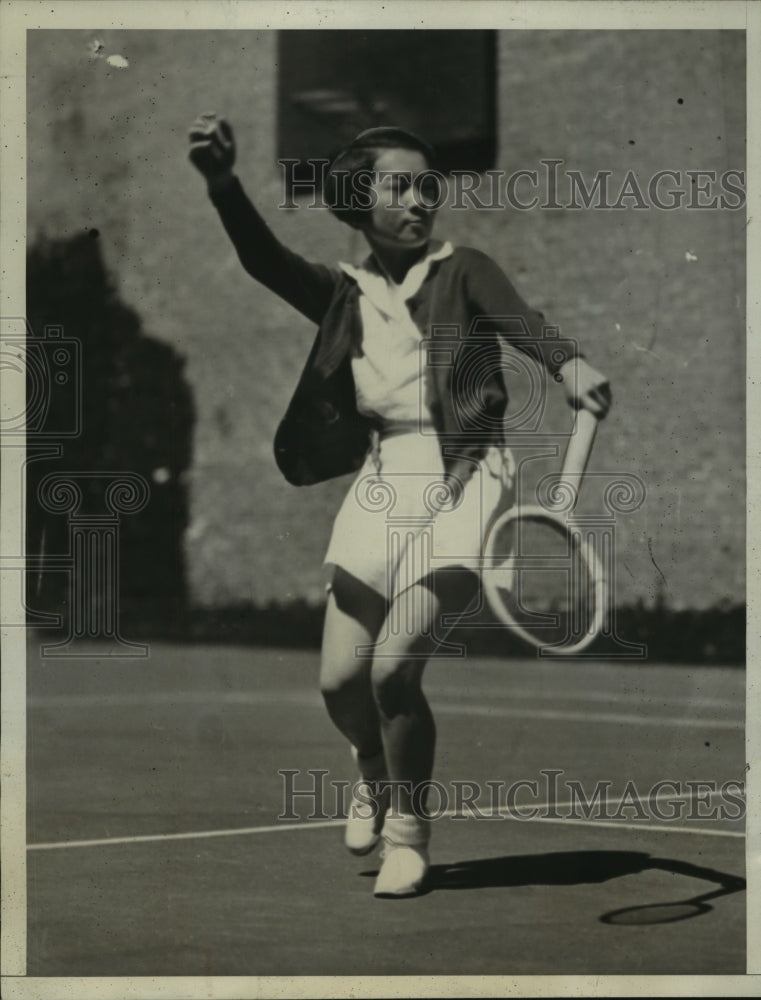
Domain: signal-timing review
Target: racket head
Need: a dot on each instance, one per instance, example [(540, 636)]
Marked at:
[(544, 580)]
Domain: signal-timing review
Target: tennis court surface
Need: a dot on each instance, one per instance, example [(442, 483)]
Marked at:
[(156, 847)]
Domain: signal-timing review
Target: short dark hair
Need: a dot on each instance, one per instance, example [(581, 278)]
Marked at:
[(359, 157)]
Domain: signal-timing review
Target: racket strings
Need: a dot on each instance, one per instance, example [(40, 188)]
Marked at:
[(540, 578)]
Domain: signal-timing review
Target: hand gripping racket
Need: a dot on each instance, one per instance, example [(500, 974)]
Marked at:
[(541, 574)]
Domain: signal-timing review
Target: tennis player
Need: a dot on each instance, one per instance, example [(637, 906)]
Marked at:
[(426, 446)]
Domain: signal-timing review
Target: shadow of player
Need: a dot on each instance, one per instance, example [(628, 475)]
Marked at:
[(586, 868)]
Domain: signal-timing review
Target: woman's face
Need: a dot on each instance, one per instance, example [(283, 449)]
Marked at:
[(400, 218)]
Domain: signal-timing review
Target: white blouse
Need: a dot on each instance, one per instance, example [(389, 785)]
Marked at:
[(388, 376)]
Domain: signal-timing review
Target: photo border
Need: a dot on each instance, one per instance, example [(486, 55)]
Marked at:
[(19, 16)]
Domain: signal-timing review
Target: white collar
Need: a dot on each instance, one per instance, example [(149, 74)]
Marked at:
[(384, 293)]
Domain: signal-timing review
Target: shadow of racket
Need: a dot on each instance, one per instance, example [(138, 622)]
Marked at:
[(683, 909)]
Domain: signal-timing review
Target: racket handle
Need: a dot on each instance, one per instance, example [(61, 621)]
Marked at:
[(578, 450)]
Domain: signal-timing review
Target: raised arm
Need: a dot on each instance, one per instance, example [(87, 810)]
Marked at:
[(306, 286), (493, 297)]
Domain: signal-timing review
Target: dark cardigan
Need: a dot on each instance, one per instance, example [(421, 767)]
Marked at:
[(463, 307)]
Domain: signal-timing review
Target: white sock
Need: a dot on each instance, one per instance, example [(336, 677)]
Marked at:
[(407, 830)]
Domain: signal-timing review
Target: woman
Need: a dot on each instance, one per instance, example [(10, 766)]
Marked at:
[(389, 389)]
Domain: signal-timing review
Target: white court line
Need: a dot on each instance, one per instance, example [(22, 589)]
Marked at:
[(620, 697), (505, 712), (314, 701), (287, 826), (136, 700), (242, 831), (312, 698)]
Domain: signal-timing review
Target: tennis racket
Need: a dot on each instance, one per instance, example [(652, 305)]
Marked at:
[(542, 576)]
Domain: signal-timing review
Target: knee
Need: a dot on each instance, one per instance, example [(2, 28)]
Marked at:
[(334, 687), (396, 684), (341, 681)]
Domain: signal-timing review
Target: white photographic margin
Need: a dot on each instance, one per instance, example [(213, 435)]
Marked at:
[(18, 16)]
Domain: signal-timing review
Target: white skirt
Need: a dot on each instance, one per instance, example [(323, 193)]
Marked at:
[(398, 523)]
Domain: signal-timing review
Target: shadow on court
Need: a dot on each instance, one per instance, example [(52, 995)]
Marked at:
[(156, 848), (585, 868)]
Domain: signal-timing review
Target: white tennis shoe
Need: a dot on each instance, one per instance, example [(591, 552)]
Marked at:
[(405, 856)]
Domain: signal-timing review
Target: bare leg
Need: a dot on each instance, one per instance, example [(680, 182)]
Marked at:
[(354, 615), (407, 726)]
